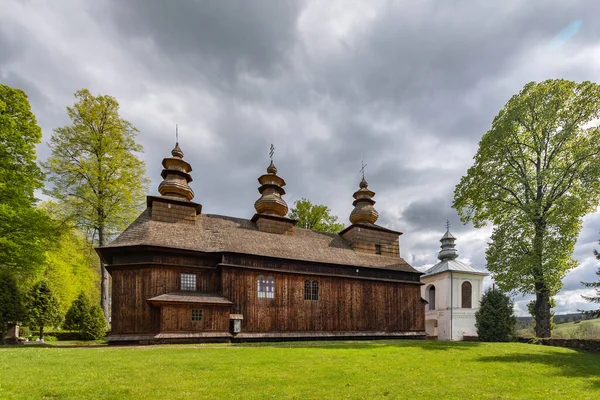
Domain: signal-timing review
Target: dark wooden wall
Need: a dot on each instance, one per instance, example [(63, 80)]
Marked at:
[(178, 318), (344, 304), (131, 287)]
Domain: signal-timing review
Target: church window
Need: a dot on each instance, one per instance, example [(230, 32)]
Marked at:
[(266, 287), (377, 249), (467, 291), (311, 290), (431, 298), (188, 282), (196, 314)]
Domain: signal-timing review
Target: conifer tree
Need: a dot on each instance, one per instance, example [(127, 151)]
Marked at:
[(77, 313), (93, 324), (11, 302), (595, 285), (43, 307), (495, 321)]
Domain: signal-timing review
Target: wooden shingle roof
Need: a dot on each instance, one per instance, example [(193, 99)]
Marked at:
[(216, 233)]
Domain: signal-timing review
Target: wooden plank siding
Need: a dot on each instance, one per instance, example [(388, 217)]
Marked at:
[(177, 318), (131, 287), (343, 305)]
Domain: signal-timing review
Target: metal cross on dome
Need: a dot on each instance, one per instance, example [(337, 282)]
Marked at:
[(176, 133), (271, 152), (362, 169), (448, 225)]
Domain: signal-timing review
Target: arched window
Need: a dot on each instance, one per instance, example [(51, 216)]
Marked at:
[(266, 287), (431, 296), (315, 290), (466, 294), (311, 290)]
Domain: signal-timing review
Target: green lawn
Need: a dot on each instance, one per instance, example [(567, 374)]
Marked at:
[(318, 370)]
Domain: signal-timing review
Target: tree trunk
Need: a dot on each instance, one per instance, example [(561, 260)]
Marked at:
[(104, 288), (542, 314), (41, 332), (542, 295)]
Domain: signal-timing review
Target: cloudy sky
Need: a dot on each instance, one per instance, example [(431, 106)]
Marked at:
[(410, 86)]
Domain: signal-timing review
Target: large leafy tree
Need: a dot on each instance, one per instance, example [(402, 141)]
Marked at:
[(97, 177), (536, 174), (595, 285), (43, 307), (314, 216), (24, 229)]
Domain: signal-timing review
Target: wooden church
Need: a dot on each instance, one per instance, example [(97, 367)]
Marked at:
[(179, 275)]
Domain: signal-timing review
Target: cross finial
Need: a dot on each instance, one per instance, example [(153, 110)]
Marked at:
[(271, 152), (176, 134), (363, 165), (448, 225)]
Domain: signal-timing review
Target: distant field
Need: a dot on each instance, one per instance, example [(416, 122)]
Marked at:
[(573, 325), (317, 370)]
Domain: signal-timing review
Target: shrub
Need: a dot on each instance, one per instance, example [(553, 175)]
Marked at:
[(77, 312), (494, 320), (94, 324), (50, 338)]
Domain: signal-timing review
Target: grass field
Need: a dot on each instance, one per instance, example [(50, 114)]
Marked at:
[(570, 326), (317, 370)]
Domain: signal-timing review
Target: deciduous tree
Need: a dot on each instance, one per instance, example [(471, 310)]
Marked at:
[(97, 176), (536, 174), (24, 229), (315, 216)]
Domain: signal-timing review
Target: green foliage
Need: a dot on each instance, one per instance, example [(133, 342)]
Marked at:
[(77, 313), (93, 324), (11, 302), (97, 178), (536, 174), (72, 267), (50, 338), (43, 307), (595, 285), (24, 230), (495, 321), (315, 217)]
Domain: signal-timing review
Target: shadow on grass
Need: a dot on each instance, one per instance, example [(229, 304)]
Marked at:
[(576, 364), (430, 345)]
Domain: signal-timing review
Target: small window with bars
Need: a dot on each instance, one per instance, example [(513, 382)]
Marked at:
[(188, 282), (266, 287), (196, 314), (377, 249), (311, 290)]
